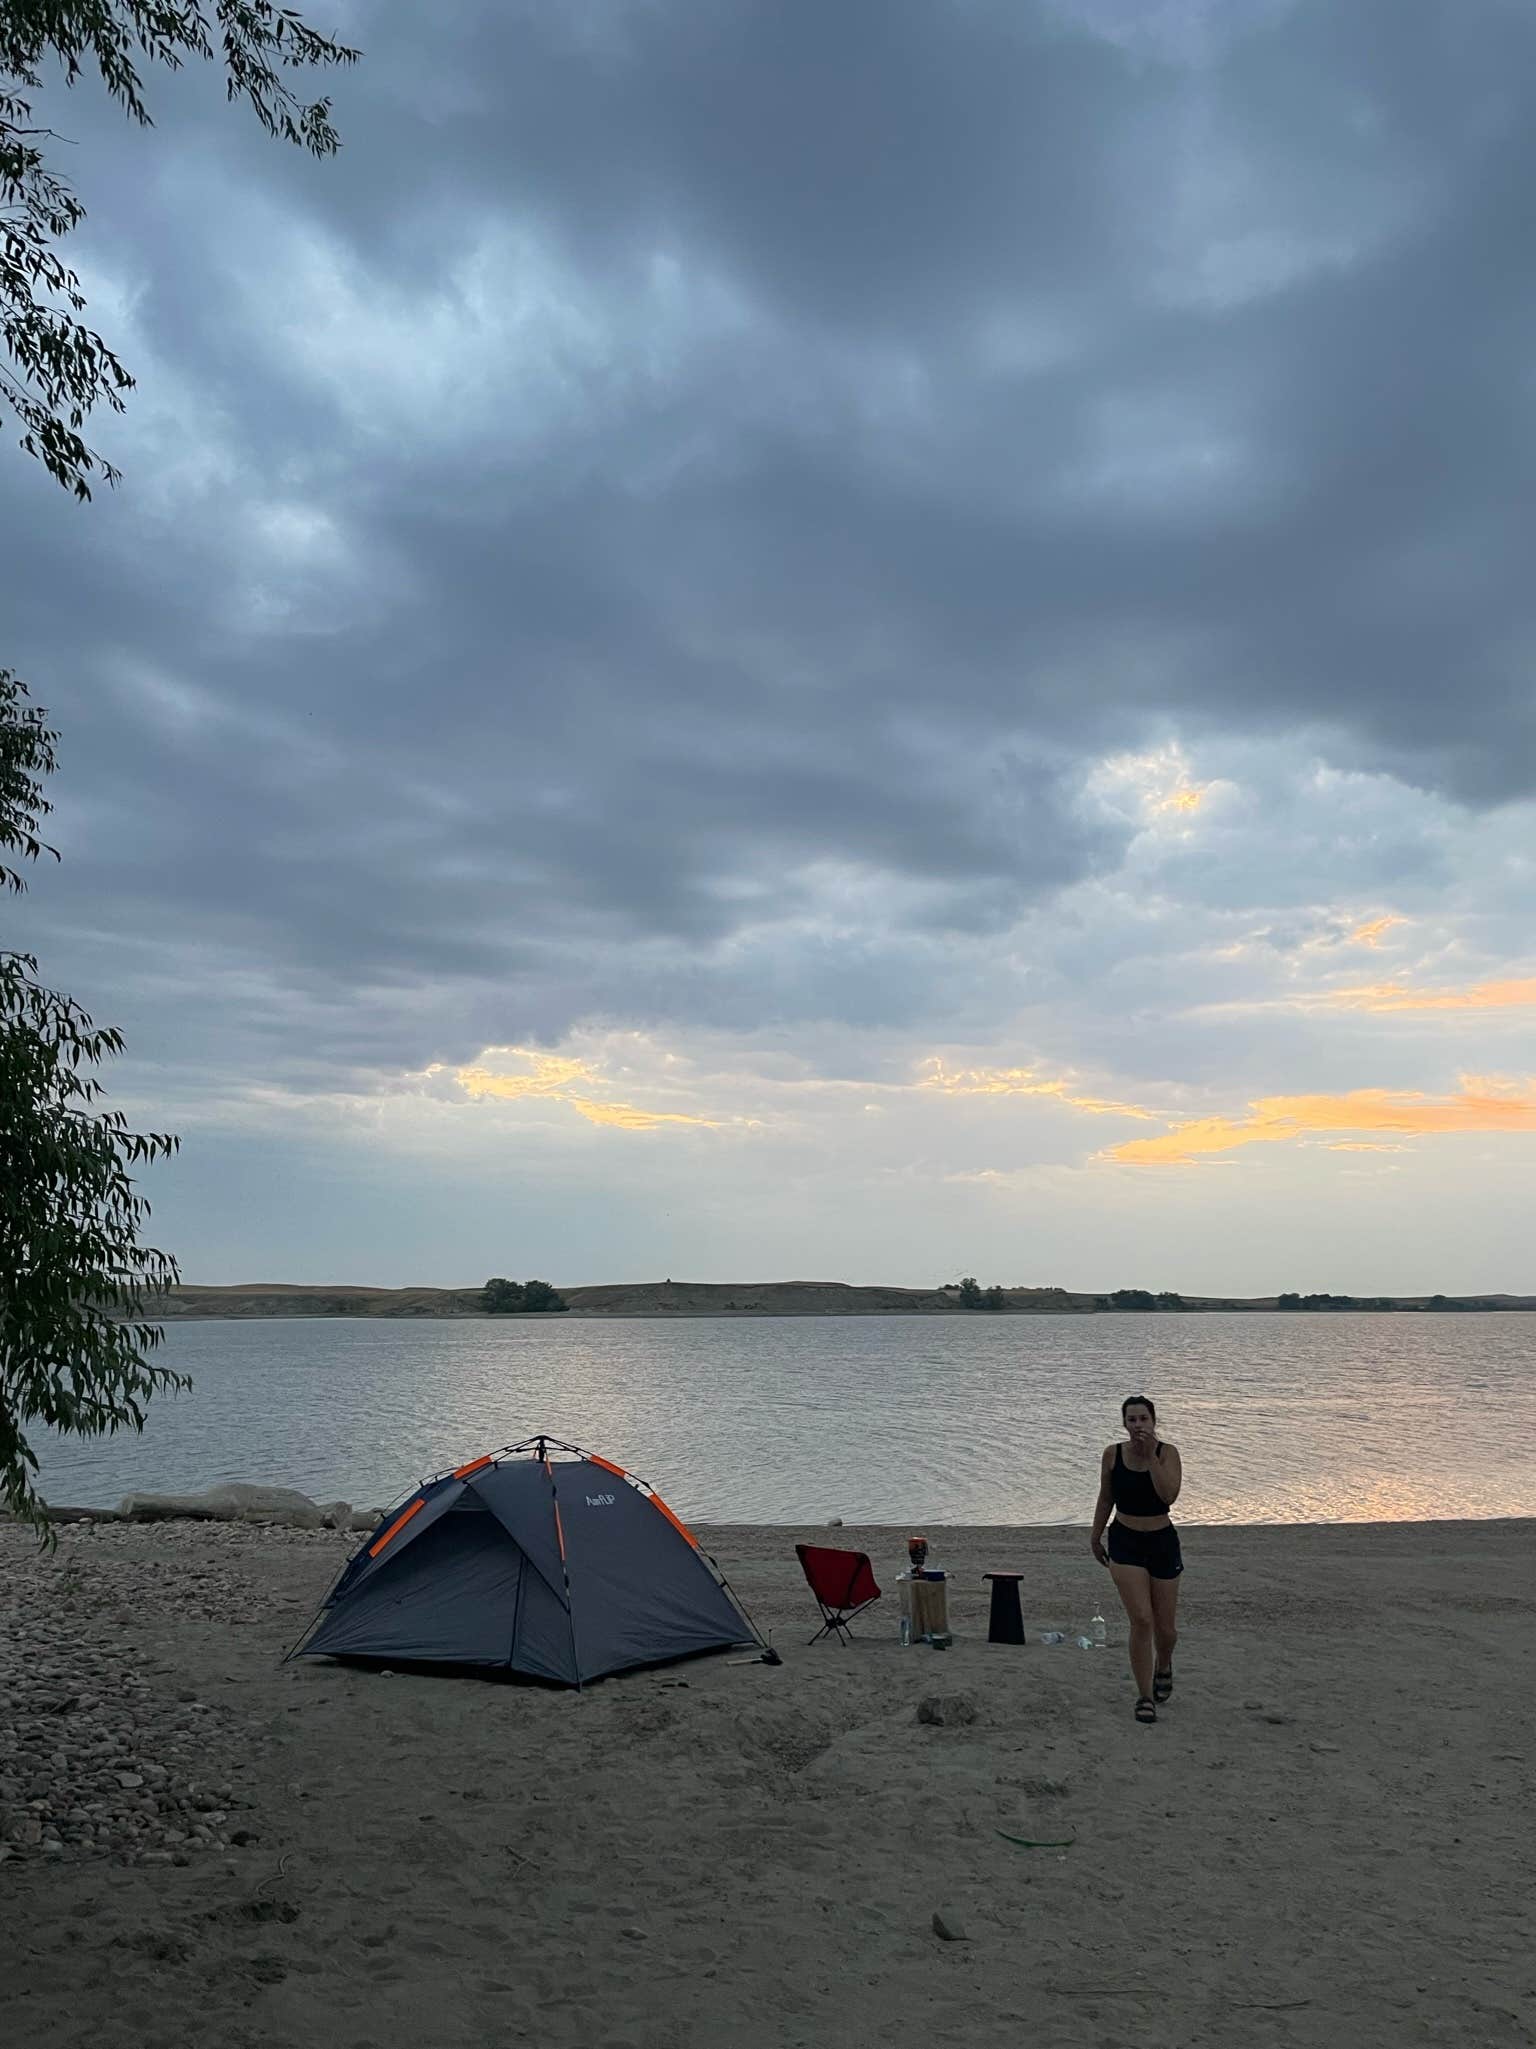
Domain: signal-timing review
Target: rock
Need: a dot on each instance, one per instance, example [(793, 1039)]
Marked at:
[(947, 1710), (1279, 1720), (336, 1515), (236, 1502), (1253, 1706), (129, 1780), (1326, 1749), (362, 1521), (836, 1523), (948, 1926)]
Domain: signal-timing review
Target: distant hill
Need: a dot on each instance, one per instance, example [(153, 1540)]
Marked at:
[(753, 1298)]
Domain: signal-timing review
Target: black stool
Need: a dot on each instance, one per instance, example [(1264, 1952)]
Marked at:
[(1005, 1623)]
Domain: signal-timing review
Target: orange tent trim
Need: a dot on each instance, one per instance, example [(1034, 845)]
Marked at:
[(396, 1526), (675, 1521), (608, 1465), (474, 1466)]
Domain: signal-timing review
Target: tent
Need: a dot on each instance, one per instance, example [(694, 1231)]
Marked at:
[(540, 1559)]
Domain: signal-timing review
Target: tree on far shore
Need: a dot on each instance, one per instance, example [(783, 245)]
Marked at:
[(519, 1298)]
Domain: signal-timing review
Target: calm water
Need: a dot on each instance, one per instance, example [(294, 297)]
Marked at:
[(1280, 1418)]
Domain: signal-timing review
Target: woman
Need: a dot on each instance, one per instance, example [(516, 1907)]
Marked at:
[(1141, 1481)]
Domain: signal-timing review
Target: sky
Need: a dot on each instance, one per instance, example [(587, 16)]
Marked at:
[(865, 642)]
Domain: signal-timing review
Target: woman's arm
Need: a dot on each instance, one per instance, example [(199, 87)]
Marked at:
[(1167, 1472), (1102, 1506)]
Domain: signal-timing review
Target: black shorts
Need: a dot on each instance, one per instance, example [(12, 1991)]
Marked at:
[(1155, 1551)]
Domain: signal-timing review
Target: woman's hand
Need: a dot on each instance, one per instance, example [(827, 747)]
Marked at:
[(1096, 1546), (1167, 1473)]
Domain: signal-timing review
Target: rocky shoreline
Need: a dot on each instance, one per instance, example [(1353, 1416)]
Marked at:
[(95, 1759), (282, 1507), (102, 1752)]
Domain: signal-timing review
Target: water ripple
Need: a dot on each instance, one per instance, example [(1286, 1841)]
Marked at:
[(1281, 1418)]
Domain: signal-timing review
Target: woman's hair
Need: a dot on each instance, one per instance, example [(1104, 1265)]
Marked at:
[(1138, 1401)]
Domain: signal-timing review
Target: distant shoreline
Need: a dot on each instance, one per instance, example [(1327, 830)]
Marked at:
[(661, 1300)]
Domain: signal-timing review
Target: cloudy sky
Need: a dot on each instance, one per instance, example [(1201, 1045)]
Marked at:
[(870, 640)]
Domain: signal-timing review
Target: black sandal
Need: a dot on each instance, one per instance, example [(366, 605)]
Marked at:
[(1162, 1685), (1145, 1711)]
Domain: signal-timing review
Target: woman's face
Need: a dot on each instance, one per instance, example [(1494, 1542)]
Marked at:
[(1138, 1420)]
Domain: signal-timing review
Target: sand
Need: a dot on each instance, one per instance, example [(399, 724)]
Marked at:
[(1326, 1838)]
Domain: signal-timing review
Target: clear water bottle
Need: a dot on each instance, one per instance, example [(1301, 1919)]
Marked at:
[(1097, 1630), (906, 1632)]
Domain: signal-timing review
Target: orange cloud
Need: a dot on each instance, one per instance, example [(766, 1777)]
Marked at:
[(1021, 1081), (1481, 1105), (1365, 1145), (548, 1078), (1189, 798), (1370, 934), (1380, 996), (625, 1117), (546, 1075)]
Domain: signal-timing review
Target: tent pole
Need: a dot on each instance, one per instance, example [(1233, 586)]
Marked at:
[(565, 1570)]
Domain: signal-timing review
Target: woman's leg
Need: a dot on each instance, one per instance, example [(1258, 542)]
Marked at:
[(1165, 1621), (1134, 1585)]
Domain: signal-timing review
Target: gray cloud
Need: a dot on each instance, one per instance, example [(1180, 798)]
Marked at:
[(663, 526)]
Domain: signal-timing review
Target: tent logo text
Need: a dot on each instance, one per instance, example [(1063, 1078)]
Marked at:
[(600, 1501)]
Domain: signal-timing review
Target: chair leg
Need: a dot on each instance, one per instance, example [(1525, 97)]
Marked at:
[(833, 1622)]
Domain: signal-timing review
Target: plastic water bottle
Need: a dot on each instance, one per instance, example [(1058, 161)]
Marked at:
[(1097, 1630), (1053, 1636), (906, 1632)]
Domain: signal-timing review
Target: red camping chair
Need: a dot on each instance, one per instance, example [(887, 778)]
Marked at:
[(843, 1583)]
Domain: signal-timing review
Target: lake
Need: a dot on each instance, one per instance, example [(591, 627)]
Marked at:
[(906, 1420)]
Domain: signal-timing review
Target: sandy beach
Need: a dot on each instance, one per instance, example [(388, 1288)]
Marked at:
[(1325, 1839)]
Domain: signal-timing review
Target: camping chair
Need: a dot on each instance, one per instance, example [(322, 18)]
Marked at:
[(843, 1583)]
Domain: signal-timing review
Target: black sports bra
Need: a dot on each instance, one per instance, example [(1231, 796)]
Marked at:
[(1134, 1493)]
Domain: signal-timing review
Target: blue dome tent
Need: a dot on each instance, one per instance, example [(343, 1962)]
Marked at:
[(540, 1559)]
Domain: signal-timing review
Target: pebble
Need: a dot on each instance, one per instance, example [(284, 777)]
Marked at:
[(948, 1926), (947, 1710), (102, 1754)]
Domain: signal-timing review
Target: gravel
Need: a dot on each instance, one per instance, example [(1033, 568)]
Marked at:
[(102, 1752)]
